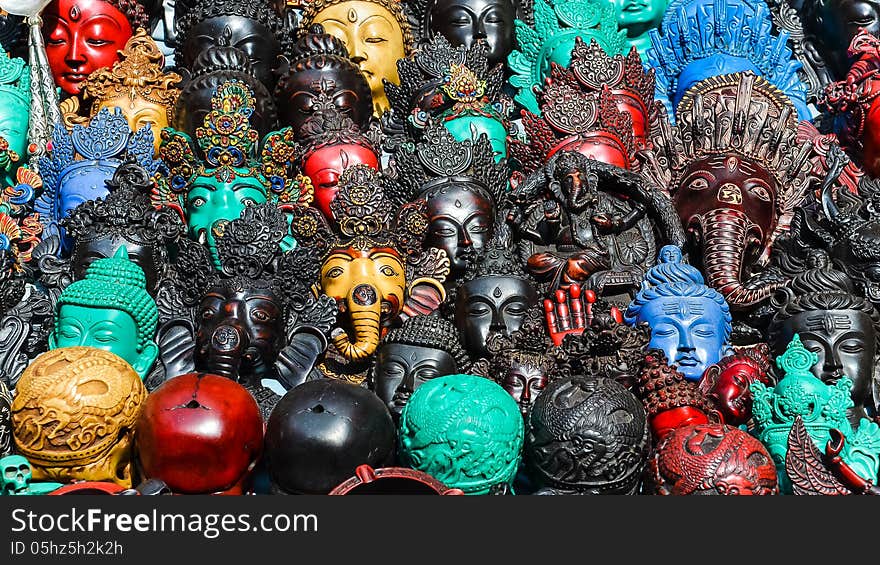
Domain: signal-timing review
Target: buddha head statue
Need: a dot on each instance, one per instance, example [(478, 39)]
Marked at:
[(494, 297), (110, 309), (252, 27), (734, 40), (468, 22), (15, 102), (372, 260), (852, 103), (821, 407), (422, 348), (464, 430), (601, 106), (137, 85), (319, 66), (82, 36), (125, 218), (212, 68), (726, 383), (552, 38), (82, 160), (376, 34), (451, 85), (96, 398), (331, 143), (836, 325), (462, 187), (212, 192), (690, 322), (734, 191)]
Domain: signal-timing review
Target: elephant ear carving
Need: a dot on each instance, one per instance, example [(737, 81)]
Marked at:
[(433, 265)]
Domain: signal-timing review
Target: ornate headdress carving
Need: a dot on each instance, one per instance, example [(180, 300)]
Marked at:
[(15, 77), (330, 126), (395, 7), (557, 24), (724, 28), (137, 74), (498, 258), (742, 114), (229, 142)]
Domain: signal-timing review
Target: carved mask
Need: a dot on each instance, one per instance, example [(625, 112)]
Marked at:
[(462, 219), (370, 287), (17, 474), (241, 331), (463, 22), (325, 165), (401, 369), (82, 36), (252, 37), (470, 127), (14, 111), (731, 393), (524, 381), (491, 303), (374, 39), (344, 86), (144, 255)]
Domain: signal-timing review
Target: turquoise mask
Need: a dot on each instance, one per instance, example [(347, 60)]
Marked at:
[(15, 101)]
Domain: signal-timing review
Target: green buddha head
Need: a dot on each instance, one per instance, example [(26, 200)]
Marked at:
[(110, 309), (15, 103)]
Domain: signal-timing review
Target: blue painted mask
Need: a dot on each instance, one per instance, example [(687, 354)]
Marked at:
[(689, 321), (82, 161)]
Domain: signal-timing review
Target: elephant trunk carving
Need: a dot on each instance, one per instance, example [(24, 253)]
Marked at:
[(365, 309), (725, 237)]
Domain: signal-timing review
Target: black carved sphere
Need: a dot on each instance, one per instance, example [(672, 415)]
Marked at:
[(319, 433), (587, 435)]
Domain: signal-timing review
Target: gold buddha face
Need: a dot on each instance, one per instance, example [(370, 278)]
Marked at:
[(139, 112), (374, 39)]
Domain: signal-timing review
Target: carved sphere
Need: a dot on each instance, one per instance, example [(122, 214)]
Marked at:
[(74, 415), (200, 434), (588, 435), (463, 430), (321, 431)]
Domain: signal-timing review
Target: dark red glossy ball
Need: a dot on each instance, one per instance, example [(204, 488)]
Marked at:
[(200, 433)]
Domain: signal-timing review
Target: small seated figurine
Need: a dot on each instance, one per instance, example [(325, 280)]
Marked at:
[(110, 309), (587, 436), (551, 40), (15, 101), (466, 22), (82, 160), (82, 36), (731, 41), (423, 348), (495, 296), (375, 32), (821, 407), (96, 398), (464, 430), (727, 383), (837, 325), (319, 68), (712, 459), (690, 322), (136, 85), (253, 27)]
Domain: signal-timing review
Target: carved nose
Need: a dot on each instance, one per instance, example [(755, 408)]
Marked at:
[(227, 339)]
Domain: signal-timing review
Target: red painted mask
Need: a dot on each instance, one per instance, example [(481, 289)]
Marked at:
[(82, 36), (326, 164), (726, 384)]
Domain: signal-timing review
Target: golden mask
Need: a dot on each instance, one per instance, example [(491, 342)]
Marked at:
[(376, 34), (136, 84), (74, 413)]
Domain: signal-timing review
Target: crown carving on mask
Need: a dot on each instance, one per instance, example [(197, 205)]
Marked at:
[(554, 25), (498, 258), (723, 28), (458, 79), (15, 77), (571, 113), (106, 140), (229, 143), (137, 74), (853, 97), (440, 160), (737, 114), (329, 126), (395, 7)]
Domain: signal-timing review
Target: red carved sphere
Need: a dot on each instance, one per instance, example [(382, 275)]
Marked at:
[(200, 433)]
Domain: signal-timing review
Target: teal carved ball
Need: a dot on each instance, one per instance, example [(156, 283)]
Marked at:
[(465, 431)]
